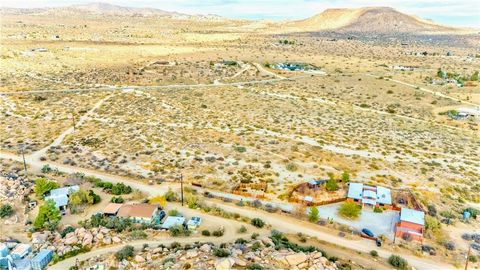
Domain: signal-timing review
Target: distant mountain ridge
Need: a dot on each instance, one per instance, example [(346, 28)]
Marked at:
[(105, 8), (368, 19)]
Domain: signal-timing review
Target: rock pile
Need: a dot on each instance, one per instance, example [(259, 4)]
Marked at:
[(13, 186), (203, 257), (80, 237)]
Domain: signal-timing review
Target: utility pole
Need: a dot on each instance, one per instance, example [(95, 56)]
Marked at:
[(181, 186), (468, 255), (24, 162), (73, 119)]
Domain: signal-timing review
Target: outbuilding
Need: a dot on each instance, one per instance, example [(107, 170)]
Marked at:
[(172, 221), (411, 225)]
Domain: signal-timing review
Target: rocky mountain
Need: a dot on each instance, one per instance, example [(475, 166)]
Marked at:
[(369, 19), (105, 8), (92, 8)]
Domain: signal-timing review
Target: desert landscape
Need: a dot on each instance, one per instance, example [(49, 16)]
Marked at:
[(260, 119)]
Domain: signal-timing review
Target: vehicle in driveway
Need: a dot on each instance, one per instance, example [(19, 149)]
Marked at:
[(378, 243), (367, 232)]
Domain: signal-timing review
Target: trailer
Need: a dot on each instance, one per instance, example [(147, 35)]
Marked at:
[(41, 259)]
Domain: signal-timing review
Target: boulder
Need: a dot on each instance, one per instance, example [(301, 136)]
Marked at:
[(224, 264), (191, 253), (267, 241), (116, 239), (107, 240), (139, 259), (100, 236), (87, 239), (38, 238), (240, 262), (206, 248), (296, 259), (72, 240)]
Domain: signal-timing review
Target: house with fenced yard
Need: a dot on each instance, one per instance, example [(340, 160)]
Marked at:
[(369, 195)]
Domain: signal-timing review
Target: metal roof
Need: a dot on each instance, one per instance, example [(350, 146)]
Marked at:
[(384, 195), (355, 190), (171, 221), (413, 216), (64, 191), (60, 201)]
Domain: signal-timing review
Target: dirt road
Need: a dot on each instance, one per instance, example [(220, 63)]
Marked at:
[(280, 222), (229, 235)]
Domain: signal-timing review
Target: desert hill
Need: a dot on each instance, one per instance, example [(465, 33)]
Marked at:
[(369, 19), (92, 8), (105, 8)]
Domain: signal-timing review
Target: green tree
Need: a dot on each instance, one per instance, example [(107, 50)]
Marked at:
[(474, 76), (398, 262), (257, 222), (124, 253), (331, 184), (345, 177), (6, 210), (170, 195), (313, 215), (350, 210), (43, 185), (48, 216)]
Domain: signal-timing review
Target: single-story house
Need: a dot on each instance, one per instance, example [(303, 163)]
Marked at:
[(60, 196), (172, 221), (374, 196), (64, 190), (61, 201), (142, 212), (112, 209), (194, 223), (411, 225), (20, 251)]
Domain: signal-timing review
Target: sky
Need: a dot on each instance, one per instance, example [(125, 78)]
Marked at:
[(448, 12)]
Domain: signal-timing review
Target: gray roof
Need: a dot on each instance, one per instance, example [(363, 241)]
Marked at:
[(413, 216), (355, 190), (64, 191), (61, 200), (377, 194), (171, 221), (384, 195)]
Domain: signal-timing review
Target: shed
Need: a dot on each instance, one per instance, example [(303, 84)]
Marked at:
[(172, 221), (412, 216), (41, 259)]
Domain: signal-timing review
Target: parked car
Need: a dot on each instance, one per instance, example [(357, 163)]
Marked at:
[(428, 249), (367, 232), (378, 243), (161, 215)]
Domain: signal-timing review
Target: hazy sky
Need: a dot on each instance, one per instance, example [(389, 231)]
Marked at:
[(450, 12)]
